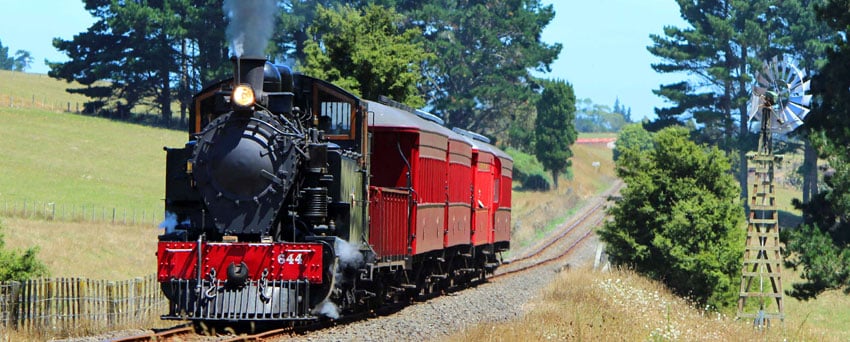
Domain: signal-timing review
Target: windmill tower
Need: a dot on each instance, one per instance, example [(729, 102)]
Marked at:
[(779, 102)]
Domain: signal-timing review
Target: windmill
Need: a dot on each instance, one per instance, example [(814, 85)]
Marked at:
[(779, 103)]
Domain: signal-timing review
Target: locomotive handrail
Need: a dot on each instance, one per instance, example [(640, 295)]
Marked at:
[(398, 191), (179, 250)]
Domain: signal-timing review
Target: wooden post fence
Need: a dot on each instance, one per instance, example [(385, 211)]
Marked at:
[(65, 304)]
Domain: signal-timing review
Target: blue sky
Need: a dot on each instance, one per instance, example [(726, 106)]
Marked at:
[(604, 54)]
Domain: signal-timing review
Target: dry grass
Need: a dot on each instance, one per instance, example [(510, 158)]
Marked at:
[(535, 213), (87, 250), (27, 88), (623, 306)]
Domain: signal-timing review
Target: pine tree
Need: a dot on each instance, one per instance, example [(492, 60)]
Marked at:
[(819, 248), (150, 50), (554, 130), (715, 50), (481, 79)]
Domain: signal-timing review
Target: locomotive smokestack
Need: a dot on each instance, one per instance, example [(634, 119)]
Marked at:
[(249, 70), (251, 25)]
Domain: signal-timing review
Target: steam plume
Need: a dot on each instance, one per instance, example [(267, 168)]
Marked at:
[(349, 255), (170, 222), (327, 309), (251, 25)]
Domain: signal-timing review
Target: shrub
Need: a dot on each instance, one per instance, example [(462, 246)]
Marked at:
[(536, 182), (19, 266), (679, 220), (527, 169)]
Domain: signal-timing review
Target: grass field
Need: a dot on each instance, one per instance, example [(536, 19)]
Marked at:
[(99, 251), (80, 160)]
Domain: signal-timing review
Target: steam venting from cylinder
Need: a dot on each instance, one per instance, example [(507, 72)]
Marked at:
[(251, 25)]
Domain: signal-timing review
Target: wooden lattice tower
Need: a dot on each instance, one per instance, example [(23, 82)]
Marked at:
[(761, 274)]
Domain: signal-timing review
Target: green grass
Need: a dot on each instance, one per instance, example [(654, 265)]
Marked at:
[(72, 159)]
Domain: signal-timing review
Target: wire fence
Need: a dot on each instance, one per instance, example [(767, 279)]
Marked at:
[(40, 102), (146, 117), (52, 211), (68, 304)]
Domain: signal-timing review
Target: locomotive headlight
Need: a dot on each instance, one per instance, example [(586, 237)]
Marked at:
[(243, 96)]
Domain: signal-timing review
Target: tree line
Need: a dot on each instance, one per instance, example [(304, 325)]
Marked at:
[(471, 61)]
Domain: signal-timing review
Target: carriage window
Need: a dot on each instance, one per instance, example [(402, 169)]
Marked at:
[(335, 117), (335, 112)]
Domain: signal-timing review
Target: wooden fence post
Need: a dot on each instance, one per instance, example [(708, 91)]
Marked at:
[(50, 300), (111, 311)]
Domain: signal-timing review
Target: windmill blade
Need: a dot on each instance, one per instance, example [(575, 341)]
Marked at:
[(804, 100), (786, 81), (754, 106), (797, 72), (791, 124), (770, 75), (801, 88), (763, 81), (797, 110), (795, 83), (789, 74)]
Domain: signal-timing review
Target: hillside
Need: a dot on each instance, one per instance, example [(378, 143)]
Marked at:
[(37, 91), (74, 160)]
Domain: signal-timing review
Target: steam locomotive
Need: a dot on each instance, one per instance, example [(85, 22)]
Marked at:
[(295, 200)]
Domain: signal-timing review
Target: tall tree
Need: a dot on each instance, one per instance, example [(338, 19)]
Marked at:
[(368, 52), (717, 49), (130, 46), (679, 221), (554, 130), (200, 39), (145, 50), (820, 246), (291, 37), (805, 38), (481, 80)]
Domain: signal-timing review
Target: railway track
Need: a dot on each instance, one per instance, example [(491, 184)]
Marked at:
[(177, 333), (564, 240), (561, 244)]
